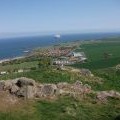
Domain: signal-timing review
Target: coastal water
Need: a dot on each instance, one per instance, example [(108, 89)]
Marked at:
[(14, 47)]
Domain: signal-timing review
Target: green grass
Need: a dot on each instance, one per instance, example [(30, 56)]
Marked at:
[(111, 78), (95, 54), (65, 108), (43, 76), (102, 67), (24, 65)]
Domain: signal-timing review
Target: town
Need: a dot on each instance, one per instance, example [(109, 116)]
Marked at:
[(60, 55)]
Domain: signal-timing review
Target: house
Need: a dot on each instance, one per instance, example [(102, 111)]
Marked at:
[(76, 54), (3, 72), (62, 62), (20, 70)]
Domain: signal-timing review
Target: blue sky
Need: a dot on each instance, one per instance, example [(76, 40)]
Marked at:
[(45, 16)]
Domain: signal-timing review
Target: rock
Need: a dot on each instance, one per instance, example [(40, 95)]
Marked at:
[(38, 91), (2, 84), (8, 85), (31, 91), (25, 81), (104, 95), (27, 88), (118, 67), (86, 72), (87, 88), (62, 85), (48, 90), (14, 89), (22, 92), (78, 84), (27, 92)]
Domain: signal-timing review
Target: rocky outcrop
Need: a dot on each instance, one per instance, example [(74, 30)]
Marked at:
[(104, 95), (28, 88), (118, 67)]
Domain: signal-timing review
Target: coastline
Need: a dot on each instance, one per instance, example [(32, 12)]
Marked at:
[(74, 42), (10, 59)]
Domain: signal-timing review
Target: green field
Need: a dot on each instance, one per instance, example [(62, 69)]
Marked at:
[(95, 54), (24, 65)]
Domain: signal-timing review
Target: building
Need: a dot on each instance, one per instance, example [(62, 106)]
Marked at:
[(76, 54), (62, 62), (3, 72), (20, 70)]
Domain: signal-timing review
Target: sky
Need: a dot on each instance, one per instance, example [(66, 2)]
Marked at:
[(47, 16)]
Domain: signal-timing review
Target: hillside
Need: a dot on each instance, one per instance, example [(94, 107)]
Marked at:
[(98, 72)]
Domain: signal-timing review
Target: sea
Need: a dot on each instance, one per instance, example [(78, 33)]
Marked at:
[(15, 47)]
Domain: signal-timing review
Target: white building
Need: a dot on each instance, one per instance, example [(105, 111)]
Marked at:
[(62, 62), (3, 72), (20, 70), (77, 54)]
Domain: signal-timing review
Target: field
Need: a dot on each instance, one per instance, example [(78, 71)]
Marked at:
[(24, 65), (95, 54)]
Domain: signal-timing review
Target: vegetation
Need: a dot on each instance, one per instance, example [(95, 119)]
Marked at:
[(95, 53), (65, 108), (102, 59), (102, 66), (23, 65)]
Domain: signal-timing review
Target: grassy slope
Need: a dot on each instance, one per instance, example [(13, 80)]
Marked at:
[(18, 66), (64, 109)]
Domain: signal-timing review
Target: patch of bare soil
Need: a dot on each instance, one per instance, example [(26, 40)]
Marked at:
[(9, 102)]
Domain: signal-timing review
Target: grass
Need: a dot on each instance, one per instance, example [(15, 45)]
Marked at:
[(65, 108), (103, 68), (111, 78), (43, 76), (24, 65), (95, 54)]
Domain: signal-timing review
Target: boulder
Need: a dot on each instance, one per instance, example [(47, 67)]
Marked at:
[(62, 85), (104, 95), (31, 91), (38, 90), (27, 92), (25, 82), (78, 84), (8, 85), (48, 90), (14, 89)]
